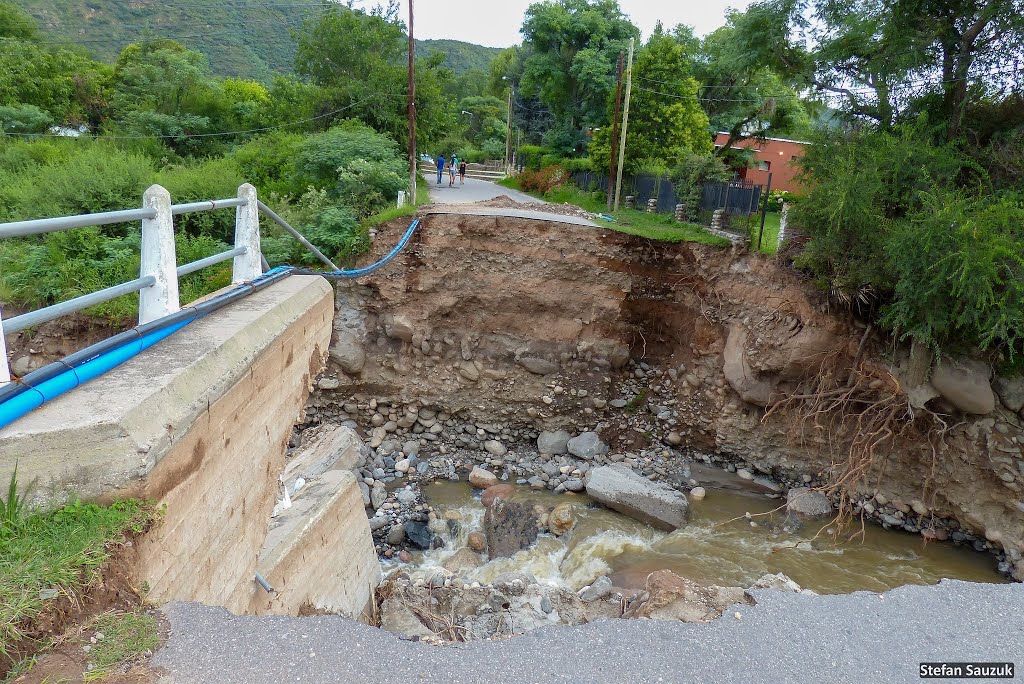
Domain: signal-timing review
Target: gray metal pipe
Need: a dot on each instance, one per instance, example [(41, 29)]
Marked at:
[(295, 234), (263, 583), (192, 207), (50, 313), (52, 225), (185, 269)]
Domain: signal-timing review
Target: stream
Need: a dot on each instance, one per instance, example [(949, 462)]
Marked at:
[(720, 546)]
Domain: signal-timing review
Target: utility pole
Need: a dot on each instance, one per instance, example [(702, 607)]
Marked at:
[(625, 122), (412, 112), (615, 132), (508, 132)]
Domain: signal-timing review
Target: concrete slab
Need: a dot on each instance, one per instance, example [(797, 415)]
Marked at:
[(100, 440)]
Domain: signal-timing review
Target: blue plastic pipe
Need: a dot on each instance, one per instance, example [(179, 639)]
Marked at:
[(50, 382)]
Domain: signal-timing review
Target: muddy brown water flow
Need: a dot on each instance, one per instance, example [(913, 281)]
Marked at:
[(719, 546)]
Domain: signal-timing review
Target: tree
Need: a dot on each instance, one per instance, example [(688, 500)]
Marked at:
[(15, 23), (571, 49), (748, 89), (358, 59), (884, 60)]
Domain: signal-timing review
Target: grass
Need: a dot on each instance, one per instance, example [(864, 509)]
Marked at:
[(126, 636), (661, 227), (59, 550), (392, 213), (770, 239)]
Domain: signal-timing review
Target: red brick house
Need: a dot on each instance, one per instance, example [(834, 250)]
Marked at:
[(771, 155)]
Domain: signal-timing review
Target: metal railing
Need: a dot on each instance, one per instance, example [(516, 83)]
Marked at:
[(157, 283)]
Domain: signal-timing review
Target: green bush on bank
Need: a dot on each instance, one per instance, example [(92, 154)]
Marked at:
[(916, 236)]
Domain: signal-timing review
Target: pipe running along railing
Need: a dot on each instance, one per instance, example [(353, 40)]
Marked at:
[(160, 311)]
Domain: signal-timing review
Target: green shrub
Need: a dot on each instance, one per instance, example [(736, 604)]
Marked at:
[(530, 156), (268, 162), (776, 198), (959, 273), (207, 179), (92, 177), (578, 164), (23, 118), (543, 181)]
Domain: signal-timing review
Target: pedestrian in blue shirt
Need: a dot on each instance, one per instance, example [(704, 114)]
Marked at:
[(440, 168)]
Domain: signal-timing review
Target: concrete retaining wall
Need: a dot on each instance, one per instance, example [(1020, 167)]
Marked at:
[(199, 423)]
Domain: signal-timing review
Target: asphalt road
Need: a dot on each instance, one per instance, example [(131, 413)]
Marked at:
[(786, 638), (473, 191)]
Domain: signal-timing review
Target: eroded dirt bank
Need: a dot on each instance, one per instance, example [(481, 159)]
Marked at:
[(530, 326)]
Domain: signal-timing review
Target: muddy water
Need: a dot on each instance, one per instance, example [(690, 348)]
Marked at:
[(719, 546)]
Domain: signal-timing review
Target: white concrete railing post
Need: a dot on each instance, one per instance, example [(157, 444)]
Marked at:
[(782, 225), (159, 258), (5, 370), (247, 266)]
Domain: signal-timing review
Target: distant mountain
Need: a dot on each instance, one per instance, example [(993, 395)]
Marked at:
[(460, 57), (247, 38)]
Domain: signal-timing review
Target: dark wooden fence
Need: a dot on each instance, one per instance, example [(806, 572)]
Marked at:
[(736, 197)]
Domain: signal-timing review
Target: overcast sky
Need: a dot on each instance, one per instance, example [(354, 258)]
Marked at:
[(497, 22)]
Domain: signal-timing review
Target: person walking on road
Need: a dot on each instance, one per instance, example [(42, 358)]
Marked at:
[(462, 172), (451, 172), (440, 167)]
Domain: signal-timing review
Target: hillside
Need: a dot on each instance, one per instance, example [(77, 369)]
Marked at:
[(460, 57), (249, 38)]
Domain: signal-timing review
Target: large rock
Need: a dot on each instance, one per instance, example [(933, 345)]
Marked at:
[(553, 442), (462, 562), (1011, 392), (587, 445), (509, 528), (965, 384), (481, 478), (398, 328), (668, 596), (561, 519), (738, 372), (805, 501), (398, 618), (348, 353), (498, 491), (619, 488), (421, 536), (538, 366)]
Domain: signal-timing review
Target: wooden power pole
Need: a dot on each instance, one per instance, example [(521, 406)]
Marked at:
[(412, 112), (508, 132), (625, 122), (615, 133)]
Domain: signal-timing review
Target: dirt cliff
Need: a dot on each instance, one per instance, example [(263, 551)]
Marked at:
[(543, 324)]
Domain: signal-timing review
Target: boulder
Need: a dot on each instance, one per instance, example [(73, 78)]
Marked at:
[(421, 536), (378, 495), (778, 582), (807, 502), (469, 371), (462, 562), (498, 491), (495, 448), (965, 384), (587, 445), (619, 488), (396, 617), (477, 542), (538, 366), (698, 493), (1011, 392), (668, 596), (601, 587), (738, 372), (398, 328), (482, 479), (509, 527), (561, 519), (347, 352), (555, 443)]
